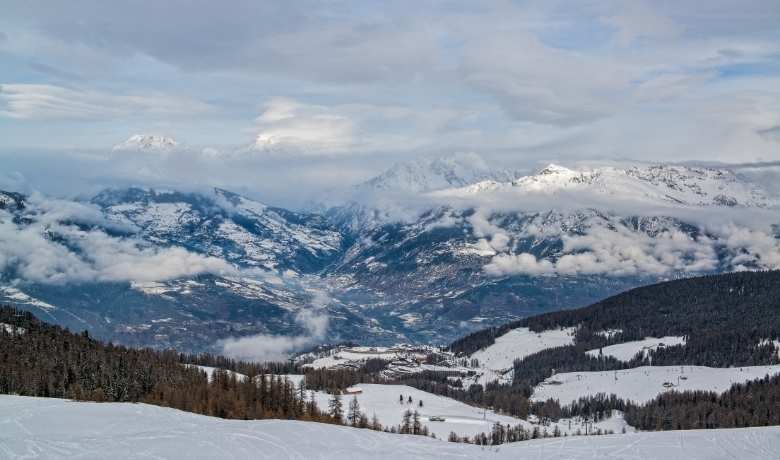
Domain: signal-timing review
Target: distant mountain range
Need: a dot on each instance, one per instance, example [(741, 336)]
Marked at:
[(425, 252)]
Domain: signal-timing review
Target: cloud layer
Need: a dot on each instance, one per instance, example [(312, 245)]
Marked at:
[(264, 347), (47, 250)]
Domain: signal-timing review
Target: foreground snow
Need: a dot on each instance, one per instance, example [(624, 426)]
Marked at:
[(642, 384), (54, 428)]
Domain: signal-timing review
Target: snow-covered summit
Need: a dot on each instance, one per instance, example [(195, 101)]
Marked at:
[(147, 143), (666, 184), (429, 174)]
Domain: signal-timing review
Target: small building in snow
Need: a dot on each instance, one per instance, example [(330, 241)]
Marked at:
[(353, 391)]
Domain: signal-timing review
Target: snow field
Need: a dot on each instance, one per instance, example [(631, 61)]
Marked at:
[(642, 384), (54, 428), (627, 350)]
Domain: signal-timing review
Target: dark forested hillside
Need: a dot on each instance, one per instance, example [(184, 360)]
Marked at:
[(723, 317), (38, 359), (727, 320)]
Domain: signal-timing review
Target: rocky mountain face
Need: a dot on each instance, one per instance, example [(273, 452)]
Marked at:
[(473, 247)]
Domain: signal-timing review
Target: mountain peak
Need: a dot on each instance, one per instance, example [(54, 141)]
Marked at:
[(429, 174), (147, 143), (553, 168)]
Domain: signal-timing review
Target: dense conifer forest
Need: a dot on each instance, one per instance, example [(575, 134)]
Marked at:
[(38, 359)]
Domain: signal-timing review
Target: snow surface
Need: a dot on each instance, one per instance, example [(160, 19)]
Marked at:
[(644, 383), (383, 401), (627, 350), (675, 185), (147, 142), (18, 296), (210, 372), (519, 343), (56, 428)]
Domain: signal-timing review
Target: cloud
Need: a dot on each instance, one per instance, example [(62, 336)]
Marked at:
[(518, 264), (264, 347), (286, 124), (620, 251), (47, 102), (638, 20), (49, 251)]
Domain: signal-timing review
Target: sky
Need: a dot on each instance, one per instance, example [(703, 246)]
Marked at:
[(282, 100)]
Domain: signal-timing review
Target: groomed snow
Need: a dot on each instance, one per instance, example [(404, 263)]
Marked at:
[(519, 343), (642, 384), (627, 350), (54, 428)]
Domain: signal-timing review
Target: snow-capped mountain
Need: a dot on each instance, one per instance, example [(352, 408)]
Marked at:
[(225, 225), (474, 248), (665, 184), (11, 201), (429, 174), (382, 198), (147, 143)]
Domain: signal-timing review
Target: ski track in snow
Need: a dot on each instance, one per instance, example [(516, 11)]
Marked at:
[(55, 428)]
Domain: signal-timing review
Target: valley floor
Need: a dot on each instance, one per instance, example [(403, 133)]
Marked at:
[(56, 428)]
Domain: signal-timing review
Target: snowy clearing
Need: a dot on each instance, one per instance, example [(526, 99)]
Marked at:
[(56, 428), (519, 343), (627, 350), (210, 372), (644, 383), (465, 420)]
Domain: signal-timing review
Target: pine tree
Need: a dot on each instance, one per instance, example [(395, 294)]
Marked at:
[(335, 407), (353, 412), (416, 425), (406, 422)]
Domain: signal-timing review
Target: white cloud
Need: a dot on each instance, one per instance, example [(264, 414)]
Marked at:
[(518, 264), (620, 251), (49, 251), (47, 102), (286, 123), (264, 347)]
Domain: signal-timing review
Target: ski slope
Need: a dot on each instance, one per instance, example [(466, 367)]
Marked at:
[(642, 384), (627, 350), (54, 428)]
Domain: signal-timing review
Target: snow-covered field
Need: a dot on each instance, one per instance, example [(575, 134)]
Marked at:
[(519, 343), (54, 428), (383, 400), (627, 350), (210, 372), (464, 420), (642, 384)]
